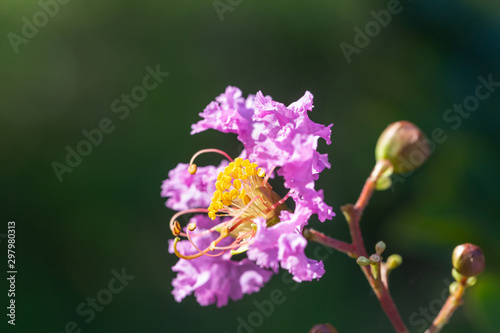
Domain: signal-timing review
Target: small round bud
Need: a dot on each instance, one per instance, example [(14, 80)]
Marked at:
[(468, 259), (380, 247), (307, 233), (404, 145), (323, 328), (363, 261), (394, 261)]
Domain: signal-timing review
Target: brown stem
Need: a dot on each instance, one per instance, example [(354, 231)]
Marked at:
[(353, 215), (384, 273), (380, 289), (452, 303), (318, 237)]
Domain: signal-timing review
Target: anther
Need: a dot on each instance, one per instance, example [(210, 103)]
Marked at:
[(224, 232), (260, 172), (218, 185), (176, 230), (191, 226), (217, 195), (192, 168), (246, 199)]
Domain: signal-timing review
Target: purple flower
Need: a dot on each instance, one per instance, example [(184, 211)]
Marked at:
[(245, 214)]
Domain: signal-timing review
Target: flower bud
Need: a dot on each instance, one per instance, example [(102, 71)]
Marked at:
[(363, 261), (380, 247), (468, 259), (394, 261), (323, 328), (404, 145)]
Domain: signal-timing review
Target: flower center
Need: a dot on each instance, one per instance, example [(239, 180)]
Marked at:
[(242, 193)]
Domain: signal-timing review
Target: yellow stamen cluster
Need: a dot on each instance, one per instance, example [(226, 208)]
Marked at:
[(235, 175)]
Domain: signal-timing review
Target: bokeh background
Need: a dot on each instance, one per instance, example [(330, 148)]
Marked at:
[(108, 214)]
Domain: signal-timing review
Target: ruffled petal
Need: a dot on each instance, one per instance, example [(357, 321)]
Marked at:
[(292, 257), (283, 244), (229, 113), (185, 191)]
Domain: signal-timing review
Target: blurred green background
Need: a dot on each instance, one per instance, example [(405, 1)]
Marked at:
[(107, 214)]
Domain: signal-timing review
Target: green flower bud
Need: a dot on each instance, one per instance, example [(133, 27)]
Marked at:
[(363, 261), (380, 247), (468, 259), (323, 328), (394, 261), (404, 145)]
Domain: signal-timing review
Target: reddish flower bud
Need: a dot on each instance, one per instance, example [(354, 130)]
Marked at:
[(468, 259), (323, 328), (404, 145)]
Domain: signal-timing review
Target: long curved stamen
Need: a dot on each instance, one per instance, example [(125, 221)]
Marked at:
[(174, 224), (237, 242), (182, 256), (268, 175), (234, 226), (192, 167), (203, 252), (279, 202), (250, 233)]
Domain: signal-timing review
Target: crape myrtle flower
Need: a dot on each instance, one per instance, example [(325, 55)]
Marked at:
[(236, 210)]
